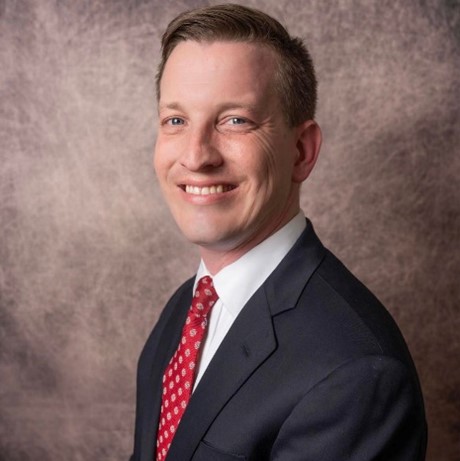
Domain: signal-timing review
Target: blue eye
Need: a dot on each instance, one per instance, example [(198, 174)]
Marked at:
[(237, 121), (176, 121)]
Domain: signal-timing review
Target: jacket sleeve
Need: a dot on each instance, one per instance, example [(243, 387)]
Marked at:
[(365, 410)]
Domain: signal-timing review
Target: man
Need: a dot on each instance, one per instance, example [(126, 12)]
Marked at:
[(282, 354)]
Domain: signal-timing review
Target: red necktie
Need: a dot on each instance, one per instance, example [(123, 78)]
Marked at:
[(179, 376)]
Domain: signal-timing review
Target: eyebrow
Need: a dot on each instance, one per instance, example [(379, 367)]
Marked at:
[(232, 105), (222, 107), (172, 105)]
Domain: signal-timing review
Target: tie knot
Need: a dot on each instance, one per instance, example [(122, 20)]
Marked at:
[(205, 297)]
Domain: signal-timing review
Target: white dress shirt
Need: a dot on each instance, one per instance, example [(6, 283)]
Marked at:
[(237, 282)]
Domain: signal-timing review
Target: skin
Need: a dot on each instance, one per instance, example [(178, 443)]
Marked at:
[(229, 165)]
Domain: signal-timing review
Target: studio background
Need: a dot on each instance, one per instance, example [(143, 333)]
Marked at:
[(89, 252)]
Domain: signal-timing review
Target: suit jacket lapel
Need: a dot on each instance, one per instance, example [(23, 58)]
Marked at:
[(168, 336), (248, 344), (288, 280)]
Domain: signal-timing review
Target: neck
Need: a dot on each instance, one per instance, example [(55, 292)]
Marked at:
[(216, 258)]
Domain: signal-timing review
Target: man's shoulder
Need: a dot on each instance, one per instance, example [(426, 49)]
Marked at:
[(183, 289), (175, 309), (182, 295), (355, 310)]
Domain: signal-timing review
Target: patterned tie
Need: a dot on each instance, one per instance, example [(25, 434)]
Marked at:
[(179, 376)]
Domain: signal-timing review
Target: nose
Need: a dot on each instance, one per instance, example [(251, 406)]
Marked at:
[(201, 152)]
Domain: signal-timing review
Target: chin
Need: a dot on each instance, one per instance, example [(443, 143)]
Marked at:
[(200, 231), (203, 240), (209, 238)]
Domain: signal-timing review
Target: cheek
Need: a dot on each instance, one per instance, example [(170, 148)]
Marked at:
[(252, 155), (157, 155), (271, 164), (162, 160)]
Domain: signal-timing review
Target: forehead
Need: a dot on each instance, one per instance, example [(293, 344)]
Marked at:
[(223, 46), (221, 65)]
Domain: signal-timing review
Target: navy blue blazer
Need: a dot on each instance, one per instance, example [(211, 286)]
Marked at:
[(313, 369)]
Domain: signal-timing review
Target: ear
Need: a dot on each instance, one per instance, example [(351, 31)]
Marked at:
[(308, 145)]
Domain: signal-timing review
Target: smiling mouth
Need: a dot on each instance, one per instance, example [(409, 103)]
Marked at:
[(207, 190)]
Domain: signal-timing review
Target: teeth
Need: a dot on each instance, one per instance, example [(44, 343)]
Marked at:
[(207, 190)]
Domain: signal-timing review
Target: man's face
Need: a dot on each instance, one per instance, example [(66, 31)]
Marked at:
[(224, 156)]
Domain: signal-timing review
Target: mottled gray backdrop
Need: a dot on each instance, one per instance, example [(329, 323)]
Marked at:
[(89, 253)]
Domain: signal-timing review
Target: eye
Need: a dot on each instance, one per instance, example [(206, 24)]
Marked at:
[(237, 121), (237, 124), (175, 121)]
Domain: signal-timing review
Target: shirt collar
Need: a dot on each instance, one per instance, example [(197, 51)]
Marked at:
[(237, 282)]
